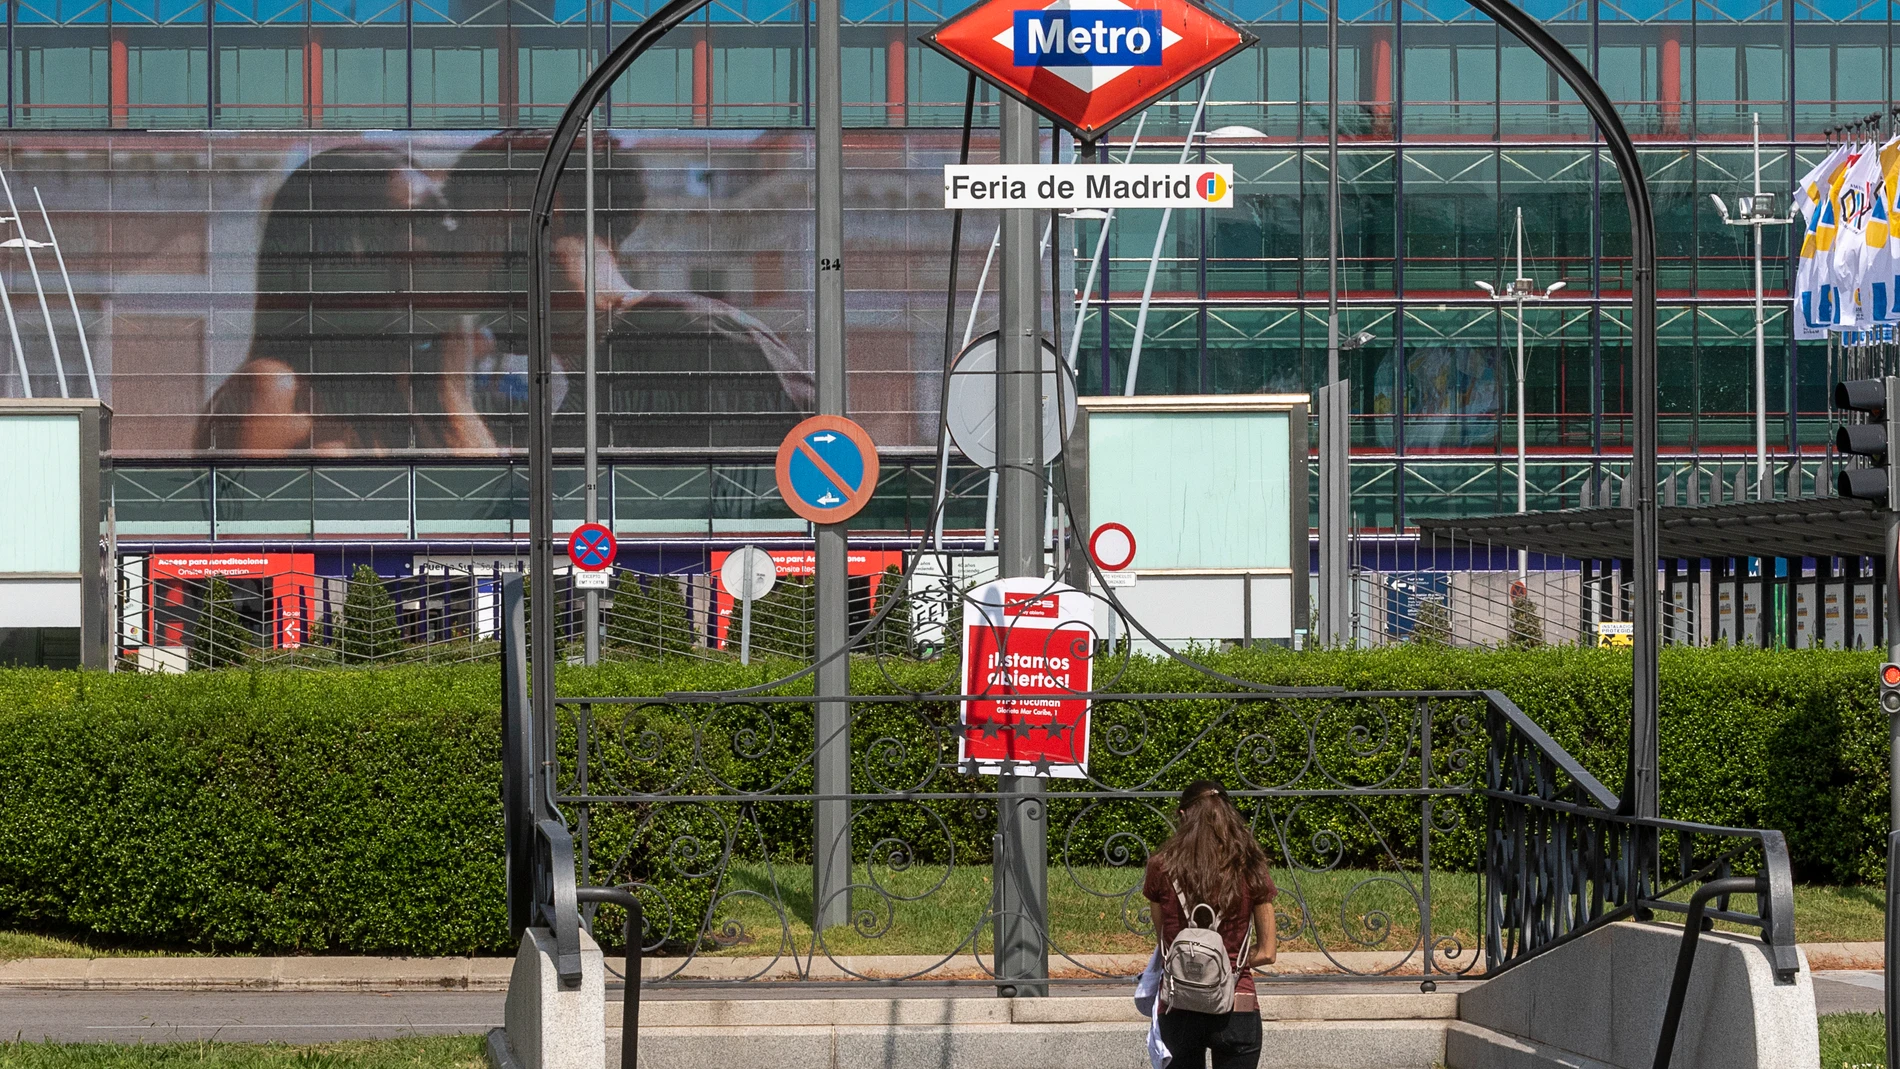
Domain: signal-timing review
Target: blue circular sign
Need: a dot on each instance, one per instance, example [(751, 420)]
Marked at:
[(592, 547), (827, 469)]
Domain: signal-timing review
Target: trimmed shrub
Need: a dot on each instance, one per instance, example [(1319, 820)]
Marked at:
[(1431, 624), (369, 630), (359, 811), (650, 621), (784, 622), (220, 638), (1526, 627), (620, 625), (893, 636), (672, 626)]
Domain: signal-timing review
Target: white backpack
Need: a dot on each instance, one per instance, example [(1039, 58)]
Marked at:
[(1196, 973)]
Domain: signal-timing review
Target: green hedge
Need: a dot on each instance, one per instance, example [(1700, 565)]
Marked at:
[(358, 811)]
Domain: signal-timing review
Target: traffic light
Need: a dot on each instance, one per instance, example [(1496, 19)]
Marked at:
[(1890, 688), (1880, 400)]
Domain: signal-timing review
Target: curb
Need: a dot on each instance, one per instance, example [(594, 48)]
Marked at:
[(1827, 956), (491, 973), (286, 973)]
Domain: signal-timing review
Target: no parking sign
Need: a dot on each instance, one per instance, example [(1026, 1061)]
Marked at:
[(827, 469)]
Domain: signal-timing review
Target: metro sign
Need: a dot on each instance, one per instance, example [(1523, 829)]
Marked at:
[(1087, 64)]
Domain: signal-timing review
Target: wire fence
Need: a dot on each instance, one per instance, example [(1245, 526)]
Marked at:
[(451, 614), (1454, 591)]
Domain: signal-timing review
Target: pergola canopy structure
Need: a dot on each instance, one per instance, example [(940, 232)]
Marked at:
[(1809, 527)]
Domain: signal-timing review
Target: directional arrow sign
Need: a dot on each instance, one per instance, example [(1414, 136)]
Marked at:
[(1087, 64), (827, 469)]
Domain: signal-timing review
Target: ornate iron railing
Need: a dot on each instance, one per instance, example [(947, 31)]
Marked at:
[(1411, 832), (1561, 858)]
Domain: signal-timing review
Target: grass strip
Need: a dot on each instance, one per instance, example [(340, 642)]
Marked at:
[(1853, 1041), (925, 909)]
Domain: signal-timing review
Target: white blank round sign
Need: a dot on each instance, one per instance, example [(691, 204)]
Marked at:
[(970, 402), (748, 574)]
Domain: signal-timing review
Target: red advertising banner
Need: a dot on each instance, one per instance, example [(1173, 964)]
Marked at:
[(871, 562), (1027, 666), (285, 580)]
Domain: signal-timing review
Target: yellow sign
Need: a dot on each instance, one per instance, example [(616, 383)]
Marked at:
[(1616, 634)]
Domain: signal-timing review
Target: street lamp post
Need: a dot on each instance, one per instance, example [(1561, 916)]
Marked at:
[(1757, 210), (1521, 288)]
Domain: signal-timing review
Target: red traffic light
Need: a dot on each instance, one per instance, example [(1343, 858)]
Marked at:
[(1890, 675)]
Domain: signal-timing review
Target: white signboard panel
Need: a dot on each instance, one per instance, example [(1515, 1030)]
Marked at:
[(1072, 185)]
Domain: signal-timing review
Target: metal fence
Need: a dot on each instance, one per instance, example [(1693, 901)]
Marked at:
[(1430, 835), (443, 614)]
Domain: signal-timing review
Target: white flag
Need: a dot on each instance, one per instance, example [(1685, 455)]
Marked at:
[(1853, 200), (1812, 290)]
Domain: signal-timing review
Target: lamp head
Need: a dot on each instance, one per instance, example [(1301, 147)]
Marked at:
[(1085, 213), (1554, 287), (1486, 287), (1721, 207)]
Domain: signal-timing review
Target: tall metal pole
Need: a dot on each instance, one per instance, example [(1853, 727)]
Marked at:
[(1161, 238), (1332, 191), (72, 299), (19, 351), (591, 608), (1640, 796), (1335, 408), (1761, 342), (26, 246), (1022, 869), (1523, 498), (831, 827), (560, 149)]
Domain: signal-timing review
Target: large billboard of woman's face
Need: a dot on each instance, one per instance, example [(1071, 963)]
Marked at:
[(262, 296)]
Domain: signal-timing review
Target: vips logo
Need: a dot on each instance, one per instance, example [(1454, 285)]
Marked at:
[(1039, 605), (1077, 38), (1210, 186)]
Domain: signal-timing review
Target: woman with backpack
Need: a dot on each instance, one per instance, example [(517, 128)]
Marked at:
[(1209, 891)]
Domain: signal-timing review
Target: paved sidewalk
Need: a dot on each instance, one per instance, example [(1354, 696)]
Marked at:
[(1849, 991), (491, 973), (144, 1016), (257, 1016)]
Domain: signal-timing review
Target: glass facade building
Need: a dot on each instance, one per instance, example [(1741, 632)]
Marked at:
[(176, 142)]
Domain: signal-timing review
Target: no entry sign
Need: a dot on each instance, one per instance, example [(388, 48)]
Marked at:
[(1026, 670), (1087, 64), (1113, 547)]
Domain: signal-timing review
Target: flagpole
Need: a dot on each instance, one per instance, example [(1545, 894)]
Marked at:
[(1761, 338), (1523, 484)]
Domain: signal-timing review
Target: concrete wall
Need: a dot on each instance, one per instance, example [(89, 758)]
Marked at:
[(1602, 998)]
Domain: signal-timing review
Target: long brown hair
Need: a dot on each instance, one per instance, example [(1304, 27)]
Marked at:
[(1212, 853)]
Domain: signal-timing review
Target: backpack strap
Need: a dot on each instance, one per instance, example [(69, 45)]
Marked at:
[(1187, 911)]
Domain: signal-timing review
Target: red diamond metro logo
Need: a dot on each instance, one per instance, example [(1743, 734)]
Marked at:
[(1087, 64)]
